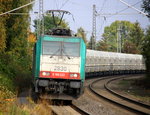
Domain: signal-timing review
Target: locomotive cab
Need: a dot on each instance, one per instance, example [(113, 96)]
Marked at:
[(59, 65)]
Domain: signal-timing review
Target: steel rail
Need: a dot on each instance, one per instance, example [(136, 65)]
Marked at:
[(112, 101), (122, 96)]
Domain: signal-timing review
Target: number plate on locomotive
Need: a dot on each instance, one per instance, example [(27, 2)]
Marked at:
[(60, 68)]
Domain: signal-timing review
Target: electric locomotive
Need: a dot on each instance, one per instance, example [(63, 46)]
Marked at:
[(59, 63)]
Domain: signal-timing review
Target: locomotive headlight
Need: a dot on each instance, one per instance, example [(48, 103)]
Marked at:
[(74, 75), (45, 73)]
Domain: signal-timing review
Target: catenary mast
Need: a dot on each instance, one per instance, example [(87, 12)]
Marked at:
[(40, 23), (94, 28)]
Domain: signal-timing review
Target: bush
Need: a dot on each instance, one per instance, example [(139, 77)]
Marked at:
[(17, 68), (6, 82), (146, 52), (6, 91), (15, 75)]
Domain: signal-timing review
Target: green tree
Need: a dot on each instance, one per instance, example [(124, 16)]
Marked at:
[(91, 44), (15, 61), (146, 43), (146, 51), (5, 5), (110, 34), (130, 47), (49, 23), (146, 6), (2, 35), (130, 34), (102, 46), (137, 35), (81, 33), (17, 28)]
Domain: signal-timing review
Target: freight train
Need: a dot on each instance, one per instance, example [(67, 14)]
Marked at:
[(110, 63), (61, 63)]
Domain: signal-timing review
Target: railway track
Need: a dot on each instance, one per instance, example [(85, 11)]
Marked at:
[(124, 97), (101, 89)]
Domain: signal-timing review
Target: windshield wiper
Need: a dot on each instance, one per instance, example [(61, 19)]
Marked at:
[(66, 53), (54, 53)]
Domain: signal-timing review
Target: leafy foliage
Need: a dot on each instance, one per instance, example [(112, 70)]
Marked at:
[(2, 35), (130, 47), (131, 37), (146, 43), (17, 27), (49, 23), (4, 6), (146, 6), (91, 44), (15, 60), (102, 45), (146, 50), (81, 33), (137, 35)]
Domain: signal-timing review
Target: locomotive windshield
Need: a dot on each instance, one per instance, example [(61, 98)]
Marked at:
[(68, 49)]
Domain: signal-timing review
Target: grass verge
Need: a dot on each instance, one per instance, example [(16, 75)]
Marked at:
[(8, 103), (136, 88)]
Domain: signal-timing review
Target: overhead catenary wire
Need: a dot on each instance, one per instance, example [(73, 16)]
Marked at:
[(128, 7), (112, 14), (56, 2), (104, 22), (133, 8), (23, 13), (18, 8), (103, 5), (119, 12), (64, 4)]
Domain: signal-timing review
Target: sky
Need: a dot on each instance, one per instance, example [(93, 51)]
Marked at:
[(82, 11)]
